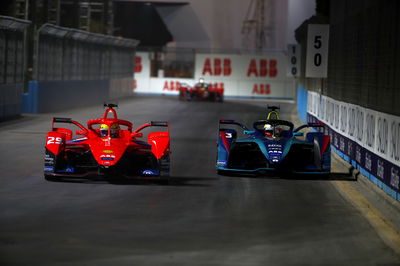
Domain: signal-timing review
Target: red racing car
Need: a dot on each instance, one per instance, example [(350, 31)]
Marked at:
[(109, 148), (201, 91)]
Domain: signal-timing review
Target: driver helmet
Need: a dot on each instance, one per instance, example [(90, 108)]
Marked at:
[(268, 129), (114, 131), (202, 85), (103, 130)]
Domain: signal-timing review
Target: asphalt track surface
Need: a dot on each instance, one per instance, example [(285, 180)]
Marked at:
[(200, 218)]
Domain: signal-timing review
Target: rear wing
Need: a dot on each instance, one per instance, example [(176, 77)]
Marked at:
[(273, 107), (273, 114), (66, 120), (309, 125), (159, 124), (231, 122)]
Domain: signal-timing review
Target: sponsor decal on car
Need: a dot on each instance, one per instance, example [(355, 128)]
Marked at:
[(77, 140), (48, 159), (69, 169), (49, 169), (149, 172), (275, 152), (107, 157)]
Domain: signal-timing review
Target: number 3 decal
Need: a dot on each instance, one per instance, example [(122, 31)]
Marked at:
[(53, 140)]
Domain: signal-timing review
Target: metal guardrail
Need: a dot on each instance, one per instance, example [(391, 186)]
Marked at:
[(71, 54)]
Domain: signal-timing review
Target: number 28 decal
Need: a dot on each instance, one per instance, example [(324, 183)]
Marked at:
[(54, 140)]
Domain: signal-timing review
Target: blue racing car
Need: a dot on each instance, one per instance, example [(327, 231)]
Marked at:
[(272, 145)]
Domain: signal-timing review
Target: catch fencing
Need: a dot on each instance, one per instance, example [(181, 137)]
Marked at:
[(12, 65), (363, 65), (71, 54), (364, 57), (75, 68)]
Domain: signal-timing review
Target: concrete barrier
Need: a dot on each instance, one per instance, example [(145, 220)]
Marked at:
[(10, 100), (49, 96), (302, 103), (120, 87)]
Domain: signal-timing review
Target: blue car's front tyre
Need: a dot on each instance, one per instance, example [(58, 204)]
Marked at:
[(50, 178), (221, 172)]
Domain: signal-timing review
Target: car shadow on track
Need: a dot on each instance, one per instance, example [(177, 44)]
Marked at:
[(328, 177), (173, 181)]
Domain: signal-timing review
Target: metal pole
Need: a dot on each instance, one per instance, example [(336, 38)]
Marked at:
[(36, 45), (26, 47), (26, 17)]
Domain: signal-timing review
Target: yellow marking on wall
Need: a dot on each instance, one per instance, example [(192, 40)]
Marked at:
[(388, 232)]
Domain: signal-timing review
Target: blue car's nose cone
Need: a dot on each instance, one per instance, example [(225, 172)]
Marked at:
[(275, 152)]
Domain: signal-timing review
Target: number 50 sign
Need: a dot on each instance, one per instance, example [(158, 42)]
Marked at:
[(317, 51)]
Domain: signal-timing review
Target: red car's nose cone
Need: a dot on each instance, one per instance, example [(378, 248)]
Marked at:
[(108, 151)]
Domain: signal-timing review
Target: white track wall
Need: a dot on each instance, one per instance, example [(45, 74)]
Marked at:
[(368, 139), (245, 76)]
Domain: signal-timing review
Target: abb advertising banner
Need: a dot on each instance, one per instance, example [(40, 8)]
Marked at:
[(142, 65), (249, 76), (368, 139)]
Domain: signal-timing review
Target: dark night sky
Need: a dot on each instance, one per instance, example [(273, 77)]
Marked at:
[(5, 5)]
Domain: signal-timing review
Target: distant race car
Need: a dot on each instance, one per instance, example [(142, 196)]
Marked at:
[(108, 148), (272, 146), (201, 91)]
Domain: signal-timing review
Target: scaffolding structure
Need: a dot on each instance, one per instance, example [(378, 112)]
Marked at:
[(258, 25), (88, 15)]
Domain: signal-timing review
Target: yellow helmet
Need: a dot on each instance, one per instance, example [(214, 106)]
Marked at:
[(267, 127), (103, 130)]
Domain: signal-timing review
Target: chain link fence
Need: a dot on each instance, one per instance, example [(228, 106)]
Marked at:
[(12, 50), (71, 54), (12, 65), (364, 54)]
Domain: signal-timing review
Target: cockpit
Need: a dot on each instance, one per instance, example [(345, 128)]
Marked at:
[(274, 129)]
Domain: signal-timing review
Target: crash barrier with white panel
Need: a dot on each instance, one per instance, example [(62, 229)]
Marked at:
[(367, 139), (12, 64), (240, 75), (75, 68)]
